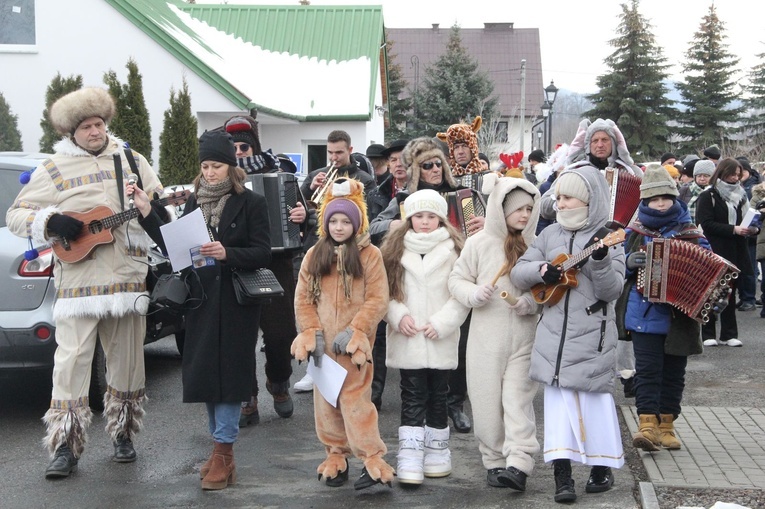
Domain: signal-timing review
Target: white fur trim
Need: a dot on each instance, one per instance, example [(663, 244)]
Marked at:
[(341, 188), (65, 146), (39, 226), (101, 306), (67, 427)]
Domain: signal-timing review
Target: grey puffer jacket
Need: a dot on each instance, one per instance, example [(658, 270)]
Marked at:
[(575, 343)]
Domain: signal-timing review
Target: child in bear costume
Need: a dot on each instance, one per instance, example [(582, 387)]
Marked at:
[(501, 331), (341, 295)]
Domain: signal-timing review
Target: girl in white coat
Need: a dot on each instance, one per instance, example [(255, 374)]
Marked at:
[(423, 331), (501, 334)]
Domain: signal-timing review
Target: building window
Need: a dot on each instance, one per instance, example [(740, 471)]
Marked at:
[(502, 129), (17, 26)]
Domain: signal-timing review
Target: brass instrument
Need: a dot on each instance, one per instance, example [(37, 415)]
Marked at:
[(320, 193)]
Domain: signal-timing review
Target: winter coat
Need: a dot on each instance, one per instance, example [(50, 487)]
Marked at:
[(427, 301), (220, 333), (481, 259), (575, 343), (380, 196), (111, 279), (683, 333), (758, 195), (712, 217)]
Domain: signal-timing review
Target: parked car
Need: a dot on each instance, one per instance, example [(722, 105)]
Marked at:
[(27, 331)]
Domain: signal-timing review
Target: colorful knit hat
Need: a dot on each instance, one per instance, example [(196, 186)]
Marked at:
[(349, 195)]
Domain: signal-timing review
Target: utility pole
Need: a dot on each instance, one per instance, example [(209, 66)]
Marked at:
[(522, 126)]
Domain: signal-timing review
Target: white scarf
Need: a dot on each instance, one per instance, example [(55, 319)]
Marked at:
[(423, 243), (573, 219), (732, 194)]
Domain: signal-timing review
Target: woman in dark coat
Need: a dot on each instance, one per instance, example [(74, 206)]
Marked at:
[(719, 210), (220, 344)]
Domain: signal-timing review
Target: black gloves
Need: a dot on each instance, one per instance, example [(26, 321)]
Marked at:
[(552, 274), (636, 260), (600, 253), (65, 227)]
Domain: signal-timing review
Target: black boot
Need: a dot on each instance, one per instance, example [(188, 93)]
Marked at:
[(564, 484), (601, 479), (380, 371), (63, 463), (124, 452), (282, 400), (458, 416)]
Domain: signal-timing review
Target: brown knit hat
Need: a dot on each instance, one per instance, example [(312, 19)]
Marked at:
[(657, 182)]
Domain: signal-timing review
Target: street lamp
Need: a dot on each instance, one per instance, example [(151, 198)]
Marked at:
[(539, 138), (551, 92), (546, 114)]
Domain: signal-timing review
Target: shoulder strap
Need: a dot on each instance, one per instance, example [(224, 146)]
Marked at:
[(118, 178), (133, 167)]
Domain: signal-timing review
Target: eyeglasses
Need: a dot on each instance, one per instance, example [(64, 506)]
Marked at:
[(429, 166), (244, 147)]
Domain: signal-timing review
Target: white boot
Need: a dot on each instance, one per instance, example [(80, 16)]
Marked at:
[(438, 458), (410, 454)]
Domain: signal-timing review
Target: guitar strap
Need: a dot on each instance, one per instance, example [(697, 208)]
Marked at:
[(118, 178)]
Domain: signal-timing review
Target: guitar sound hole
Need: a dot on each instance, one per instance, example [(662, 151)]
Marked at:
[(95, 227)]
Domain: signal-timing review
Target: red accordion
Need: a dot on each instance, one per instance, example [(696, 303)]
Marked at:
[(693, 279), (462, 204), (625, 196)]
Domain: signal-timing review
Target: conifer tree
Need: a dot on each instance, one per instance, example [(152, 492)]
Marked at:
[(755, 103), (453, 90), (708, 90), (10, 137), (131, 121), (398, 107), (632, 92), (59, 87), (178, 143)]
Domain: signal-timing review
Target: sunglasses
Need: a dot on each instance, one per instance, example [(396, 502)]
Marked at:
[(244, 147), (429, 166)]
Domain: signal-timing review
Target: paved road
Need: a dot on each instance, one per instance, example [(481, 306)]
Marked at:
[(277, 459)]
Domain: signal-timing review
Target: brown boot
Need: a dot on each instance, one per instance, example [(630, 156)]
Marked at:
[(206, 465), (667, 432), (222, 470), (647, 437)]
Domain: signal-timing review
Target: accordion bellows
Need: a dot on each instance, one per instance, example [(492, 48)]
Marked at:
[(693, 279), (625, 196)]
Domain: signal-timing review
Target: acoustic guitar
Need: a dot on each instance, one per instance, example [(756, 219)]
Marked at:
[(97, 227), (569, 265)]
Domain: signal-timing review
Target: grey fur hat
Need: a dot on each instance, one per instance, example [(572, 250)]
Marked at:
[(419, 150), (69, 111)]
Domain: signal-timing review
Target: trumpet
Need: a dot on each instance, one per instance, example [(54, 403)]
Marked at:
[(320, 193)]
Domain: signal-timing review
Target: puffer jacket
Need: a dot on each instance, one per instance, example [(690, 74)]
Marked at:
[(575, 342)]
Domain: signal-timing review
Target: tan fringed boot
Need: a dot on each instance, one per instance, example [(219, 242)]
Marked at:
[(222, 470), (647, 437), (667, 432)]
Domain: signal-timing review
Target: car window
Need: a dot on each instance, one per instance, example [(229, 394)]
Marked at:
[(9, 189)]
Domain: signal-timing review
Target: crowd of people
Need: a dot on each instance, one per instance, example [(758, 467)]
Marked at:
[(530, 288)]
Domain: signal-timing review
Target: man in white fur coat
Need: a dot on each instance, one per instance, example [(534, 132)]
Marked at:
[(97, 297)]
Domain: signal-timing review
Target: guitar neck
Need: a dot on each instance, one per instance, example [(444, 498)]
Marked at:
[(126, 215), (577, 258)]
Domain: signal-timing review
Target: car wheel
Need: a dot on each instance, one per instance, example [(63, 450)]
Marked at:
[(180, 339), (97, 378)]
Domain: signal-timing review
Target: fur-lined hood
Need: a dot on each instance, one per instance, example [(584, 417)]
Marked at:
[(498, 188), (419, 150)]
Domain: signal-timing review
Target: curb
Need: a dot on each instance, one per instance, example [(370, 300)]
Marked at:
[(648, 498)]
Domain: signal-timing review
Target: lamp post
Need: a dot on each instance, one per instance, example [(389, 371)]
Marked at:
[(546, 115), (539, 138), (551, 92)]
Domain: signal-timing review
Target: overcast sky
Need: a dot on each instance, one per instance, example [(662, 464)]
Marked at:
[(574, 35)]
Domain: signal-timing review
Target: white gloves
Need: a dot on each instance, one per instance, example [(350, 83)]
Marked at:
[(521, 307), (481, 295)]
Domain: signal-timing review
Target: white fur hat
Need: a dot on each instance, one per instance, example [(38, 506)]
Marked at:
[(70, 110), (426, 200)]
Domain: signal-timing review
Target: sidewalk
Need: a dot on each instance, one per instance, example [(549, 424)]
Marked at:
[(723, 447)]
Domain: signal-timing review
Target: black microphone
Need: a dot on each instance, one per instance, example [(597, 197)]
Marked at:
[(132, 179)]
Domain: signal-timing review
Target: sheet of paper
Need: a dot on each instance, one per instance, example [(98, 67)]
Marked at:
[(749, 216), (182, 235), (328, 378)]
